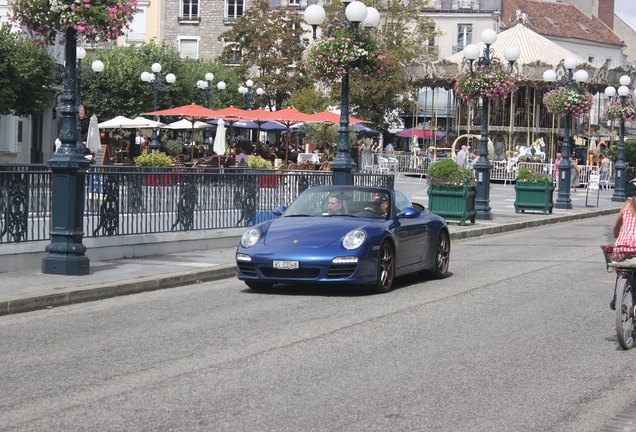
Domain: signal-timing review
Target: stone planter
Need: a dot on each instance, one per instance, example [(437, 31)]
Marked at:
[(453, 203), (534, 197)]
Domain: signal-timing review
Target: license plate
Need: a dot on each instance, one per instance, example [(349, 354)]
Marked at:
[(286, 265)]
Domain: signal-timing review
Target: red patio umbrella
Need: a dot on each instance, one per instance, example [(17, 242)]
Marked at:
[(328, 118), (287, 117), (192, 113)]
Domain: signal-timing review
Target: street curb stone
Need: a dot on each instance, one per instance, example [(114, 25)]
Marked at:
[(115, 289)]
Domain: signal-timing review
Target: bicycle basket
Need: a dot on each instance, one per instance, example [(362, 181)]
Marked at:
[(619, 256)]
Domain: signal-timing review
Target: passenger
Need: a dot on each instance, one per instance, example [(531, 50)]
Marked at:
[(379, 205)]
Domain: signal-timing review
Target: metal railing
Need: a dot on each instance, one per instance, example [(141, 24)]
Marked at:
[(505, 171), (131, 200)]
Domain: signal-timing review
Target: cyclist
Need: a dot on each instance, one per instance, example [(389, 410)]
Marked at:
[(625, 229)]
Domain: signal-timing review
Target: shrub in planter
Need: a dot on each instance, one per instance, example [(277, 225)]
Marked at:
[(447, 173), (156, 159), (533, 191), (451, 191)]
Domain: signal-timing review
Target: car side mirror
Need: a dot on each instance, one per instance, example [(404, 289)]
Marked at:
[(408, 213), (278, 211)]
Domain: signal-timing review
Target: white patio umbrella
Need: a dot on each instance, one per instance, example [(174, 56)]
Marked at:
[(143, 123), (219, 139), (186, 124), (93, 141), (119, 122)]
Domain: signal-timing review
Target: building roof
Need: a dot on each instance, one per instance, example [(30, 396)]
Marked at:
[(556, 19), (532, 46)]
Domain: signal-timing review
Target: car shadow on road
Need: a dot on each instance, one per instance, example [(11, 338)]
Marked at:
[(338, 290)]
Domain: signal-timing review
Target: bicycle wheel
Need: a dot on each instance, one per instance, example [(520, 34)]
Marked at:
[(625, 313)]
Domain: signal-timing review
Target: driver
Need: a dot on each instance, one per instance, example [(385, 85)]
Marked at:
[(335, 205)]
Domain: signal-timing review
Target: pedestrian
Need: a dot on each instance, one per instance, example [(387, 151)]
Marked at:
[(555, 168), (605, 169), (575, 172), (461, 158)]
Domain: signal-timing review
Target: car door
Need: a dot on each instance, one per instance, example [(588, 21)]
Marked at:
[(412, 234)]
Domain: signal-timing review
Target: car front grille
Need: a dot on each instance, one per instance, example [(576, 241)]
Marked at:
[(247, 269), (338, 271), (300, 273)]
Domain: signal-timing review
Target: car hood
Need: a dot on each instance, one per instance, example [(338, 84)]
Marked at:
[(309, 231)]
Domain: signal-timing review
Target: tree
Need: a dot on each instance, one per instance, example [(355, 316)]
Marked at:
[(271, 41), (308, 100), (123, 67), (407, 36), (26, 72)]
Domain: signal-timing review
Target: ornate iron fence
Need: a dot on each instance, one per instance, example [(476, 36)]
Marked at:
[(131, 200)]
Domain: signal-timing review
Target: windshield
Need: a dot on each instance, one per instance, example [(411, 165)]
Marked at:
[(345, 201)]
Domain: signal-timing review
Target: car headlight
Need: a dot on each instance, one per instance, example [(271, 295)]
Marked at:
[(354, 239), (250, 237)]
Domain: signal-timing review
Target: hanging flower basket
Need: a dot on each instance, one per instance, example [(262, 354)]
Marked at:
[(93, 20), (341, 50), (493, 82), (618, 110), (567, 100)]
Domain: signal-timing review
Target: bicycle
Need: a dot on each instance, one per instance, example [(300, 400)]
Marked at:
[(622, 260)]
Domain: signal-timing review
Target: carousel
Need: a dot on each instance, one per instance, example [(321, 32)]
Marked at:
[(520, 127)]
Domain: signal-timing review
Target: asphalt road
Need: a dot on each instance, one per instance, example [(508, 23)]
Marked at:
[(519, 337)]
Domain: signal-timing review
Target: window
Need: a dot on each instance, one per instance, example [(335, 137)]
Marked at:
[(19, 132), (609, 62), (464, 35), (137, 29), (234, 9), (190, 10), (585, 29), (465, 3), (551, 21), (188, 47), (591, 60), (294, 2)]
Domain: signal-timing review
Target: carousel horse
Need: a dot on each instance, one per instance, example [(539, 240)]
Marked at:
[(538, 147)]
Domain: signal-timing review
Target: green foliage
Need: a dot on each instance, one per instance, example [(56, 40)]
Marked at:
[(445, 172), (318, 134), (269, 40), (408, 36), (122, 69), (173, 147), (258, 162), (156, 159), (26, 72), (528, 175), (308, 100), (630, 153)]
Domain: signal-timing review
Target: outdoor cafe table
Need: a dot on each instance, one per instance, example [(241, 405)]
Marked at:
[(311, 157)]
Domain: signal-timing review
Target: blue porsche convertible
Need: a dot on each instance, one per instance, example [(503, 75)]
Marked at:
[(345, 234)]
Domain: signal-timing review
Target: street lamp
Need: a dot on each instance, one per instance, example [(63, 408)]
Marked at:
[(246, 91), (153, 80), (619, 179), (97, 67), (573, 81), (482, 165), (206, 86), (355, 13)]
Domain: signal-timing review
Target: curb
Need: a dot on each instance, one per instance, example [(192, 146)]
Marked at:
[(190, 277), (115, 289), (514, 226)]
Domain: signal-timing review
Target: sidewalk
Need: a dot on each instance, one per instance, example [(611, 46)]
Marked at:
[(31, 290)]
